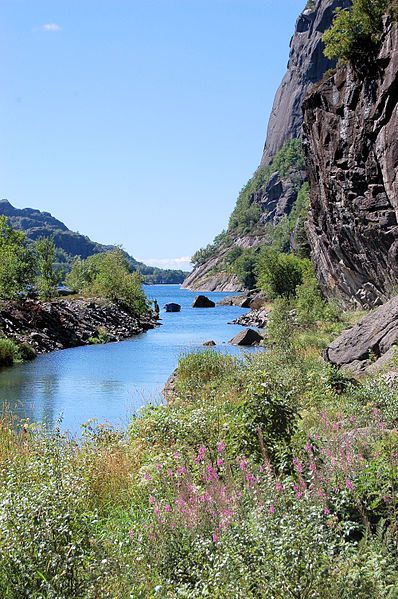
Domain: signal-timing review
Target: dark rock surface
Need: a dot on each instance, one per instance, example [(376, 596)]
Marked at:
[(241, 301), (307, 65), (247, 337), (169, 390), (210, 343), (351, 144), (48, 326), (367, 342), (201, 301), (255, 318), (172, 307)]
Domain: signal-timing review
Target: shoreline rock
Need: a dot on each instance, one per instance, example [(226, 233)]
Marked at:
[(247, 337), (66, 323), (254, 318)]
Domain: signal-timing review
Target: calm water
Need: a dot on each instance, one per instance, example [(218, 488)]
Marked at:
[(110, 382)]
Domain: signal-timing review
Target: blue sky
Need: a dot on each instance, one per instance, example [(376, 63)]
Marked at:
[(138, 121)]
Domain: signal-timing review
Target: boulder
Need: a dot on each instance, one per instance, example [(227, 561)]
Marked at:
[(201, 301), (254, 318), (209, 343), (241, 301), (172, 307), (247, 337), (363, 345)]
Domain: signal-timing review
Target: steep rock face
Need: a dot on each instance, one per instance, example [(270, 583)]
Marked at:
[(307, 65), (351, 146)]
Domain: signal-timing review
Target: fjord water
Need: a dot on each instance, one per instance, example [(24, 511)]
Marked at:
[(111, 382)]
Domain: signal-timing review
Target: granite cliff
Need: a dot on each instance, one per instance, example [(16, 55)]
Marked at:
[(269, 197), (351, 147)]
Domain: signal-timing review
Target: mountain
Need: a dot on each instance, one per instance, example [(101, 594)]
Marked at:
[(272, 206), (70, 244)]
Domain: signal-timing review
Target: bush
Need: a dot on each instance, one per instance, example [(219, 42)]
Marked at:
[(26, 352), (107, 275), (356, 32), (278, 274), (9, 352)]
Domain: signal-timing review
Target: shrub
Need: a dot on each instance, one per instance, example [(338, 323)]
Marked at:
[(356, 32), (16, 261), (48, 277), (26, 352), (8, 352), (279, 274)]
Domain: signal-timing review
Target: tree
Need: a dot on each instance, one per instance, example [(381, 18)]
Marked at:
[(356, 32), (48, 277), (16, 261), (107, 275), (280, 274)]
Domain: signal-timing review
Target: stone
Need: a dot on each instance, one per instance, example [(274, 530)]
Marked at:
[(363, 345), (210, 343), (247, 337), (172, 307), (254, 318), (351, 147), (241, 301), (201, 301)]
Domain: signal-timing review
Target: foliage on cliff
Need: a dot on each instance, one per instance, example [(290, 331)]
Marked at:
[(356, 32)]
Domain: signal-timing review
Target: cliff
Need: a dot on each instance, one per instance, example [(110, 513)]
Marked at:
[(265, 204), (307, 65), (351, 147)]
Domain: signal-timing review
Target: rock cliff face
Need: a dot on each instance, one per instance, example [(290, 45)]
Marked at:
[(276, 197), (307, 65), (351, 145)]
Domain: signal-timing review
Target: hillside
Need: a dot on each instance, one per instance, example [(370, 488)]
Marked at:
[(71, 244)]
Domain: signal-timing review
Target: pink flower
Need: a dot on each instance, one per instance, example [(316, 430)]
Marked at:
[(211, 473), (152, 499), (201, 454), (220, 446), (177, 455), (298, 466), (349, 484), (167, 508), (243, 465), (279, 487), (147, 476), (326, 511), (159, 467), (215, 537), (271, 509), (220, 462), (181, 470)]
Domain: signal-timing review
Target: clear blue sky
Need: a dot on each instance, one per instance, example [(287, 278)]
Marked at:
[(138, 121)]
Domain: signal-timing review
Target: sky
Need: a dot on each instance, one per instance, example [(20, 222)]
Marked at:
[(137, 122)]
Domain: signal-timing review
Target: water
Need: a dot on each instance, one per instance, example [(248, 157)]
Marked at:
[(111, 382)]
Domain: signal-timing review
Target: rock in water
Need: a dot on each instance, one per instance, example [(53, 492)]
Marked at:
[(254, 318), (201, 301), (172, 307), (209, 343), (365, 344), (247, 337)]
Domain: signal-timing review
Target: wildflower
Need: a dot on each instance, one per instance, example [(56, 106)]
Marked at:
[(159, 467), (220, 462), (308, 447), (167, 508), (349, 484), (211, 473), (152, 499), (177, 455), (326, 511), (181, 470), (147, 476), (215, 537), (243, 465), (298, 465), (201, 454), (220, 446), (250, 479), (279, 487), (271, 509), (131, 534)]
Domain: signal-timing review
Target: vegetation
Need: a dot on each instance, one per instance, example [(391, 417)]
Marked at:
[(16, 262), (107, 275), (356, 32), (48, 277), (12, 353), (255, 480)]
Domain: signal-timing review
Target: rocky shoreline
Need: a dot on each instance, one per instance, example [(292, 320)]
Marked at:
[(66, 323)]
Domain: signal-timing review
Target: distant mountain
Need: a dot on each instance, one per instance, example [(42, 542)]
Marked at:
[(70, 244)]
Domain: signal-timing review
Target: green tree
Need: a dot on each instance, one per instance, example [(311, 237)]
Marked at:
[(278, 274), (356, 32), (48, 277), (16, 261), (107, 275)]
